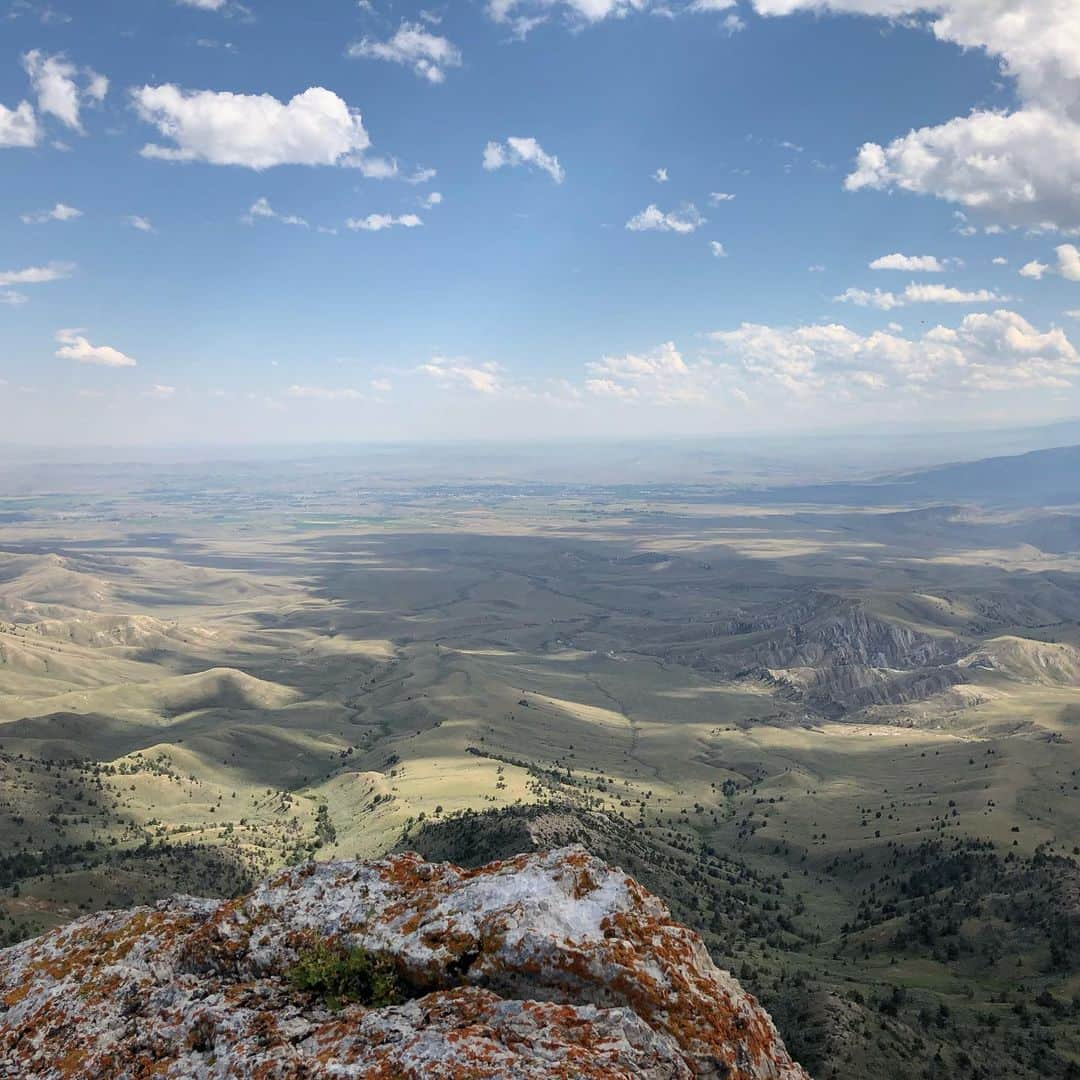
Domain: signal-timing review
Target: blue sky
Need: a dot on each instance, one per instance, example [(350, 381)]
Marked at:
[(535, 218)]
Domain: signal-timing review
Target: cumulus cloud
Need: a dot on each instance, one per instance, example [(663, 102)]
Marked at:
[(378, 222), (718, 249), (257, 131), (661, 377), (18, 126), (918, 294), (518, 150), (62, 89), (140, 223), (660, 176), (914, 264), (1067, 266), (433, 199), (459, 371), (1019, 167), (74, 346), (986, 352), (429, 55), (653, 219), (1022, 167), (37, 275), (60, 212), (1068, 261)]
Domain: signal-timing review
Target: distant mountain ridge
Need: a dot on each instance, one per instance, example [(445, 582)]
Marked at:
[(1038, 478)]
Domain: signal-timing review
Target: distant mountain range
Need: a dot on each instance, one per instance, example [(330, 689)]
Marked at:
[(1040, 478)]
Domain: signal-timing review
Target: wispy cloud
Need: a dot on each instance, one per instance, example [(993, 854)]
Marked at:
[(687, 219), (519, 150), (60, 212), (429, 55)]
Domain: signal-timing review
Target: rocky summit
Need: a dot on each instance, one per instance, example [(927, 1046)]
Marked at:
[(545, 965)]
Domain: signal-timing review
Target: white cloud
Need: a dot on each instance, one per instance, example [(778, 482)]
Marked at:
[(660, 176), (986, 352), (661, 377), (926, 264), (322, 393), (421, 176), (315, 127), (1020, 167), (204, 5), (378, 168), (434, 199), (1068, 261), (378, 222), (653, 219), (260, 208), (918, 294), (73, 346), (12, 298), (884, 301), (382, 386), (140, 223), (429, 55), (159, 391), (1000, 260), (18, 126), (946, 294), (1068, 265), (718, 197), (459, 371), (717, 249), (518, 150), (60, 212), (53, 79), (37, 275)]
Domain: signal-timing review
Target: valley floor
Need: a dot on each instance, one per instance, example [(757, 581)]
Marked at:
[(841, 742)]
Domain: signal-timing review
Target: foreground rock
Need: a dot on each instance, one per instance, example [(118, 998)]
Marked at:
[(545, 965)]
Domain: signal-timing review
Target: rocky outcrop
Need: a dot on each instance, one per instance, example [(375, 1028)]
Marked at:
[(544, 965)]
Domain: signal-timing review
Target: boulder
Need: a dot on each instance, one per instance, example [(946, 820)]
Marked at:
[(549, 964)]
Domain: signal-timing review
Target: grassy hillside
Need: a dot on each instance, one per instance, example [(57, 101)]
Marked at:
[(842, 743)]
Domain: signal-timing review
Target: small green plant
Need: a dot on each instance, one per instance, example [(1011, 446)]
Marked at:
[(341, 975)]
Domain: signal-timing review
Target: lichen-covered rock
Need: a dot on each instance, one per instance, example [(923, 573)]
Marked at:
[(546, 965)]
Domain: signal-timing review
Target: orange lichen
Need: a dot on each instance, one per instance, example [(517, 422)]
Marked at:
[(162, 992)]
